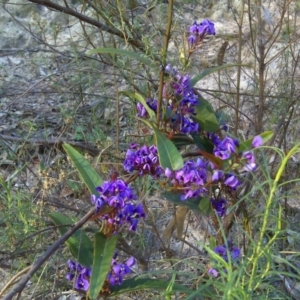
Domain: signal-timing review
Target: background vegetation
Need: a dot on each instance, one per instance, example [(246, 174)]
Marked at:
[(54, 91)]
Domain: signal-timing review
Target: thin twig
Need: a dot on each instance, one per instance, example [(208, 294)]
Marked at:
[(37, 264), (89, 20), (164, 57), (50, 142), (11, 281)]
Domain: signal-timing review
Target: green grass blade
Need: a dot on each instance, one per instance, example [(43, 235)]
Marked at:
[(104, 249), (86, 172), (212, 70), (247, 145), (136, 284), (79, 243)]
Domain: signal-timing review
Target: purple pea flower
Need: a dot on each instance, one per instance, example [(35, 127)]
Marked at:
[(257, 141), (219, 205), (217, 175), (232, 181), (213, 272)]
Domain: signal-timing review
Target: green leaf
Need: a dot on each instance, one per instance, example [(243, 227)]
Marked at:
[(214, 159), (212, 70), (86, 172), (169, 157), (136, 284), (180, 140), (141, 99), (205, 116), (247, 145), (104, 249), (137, 56), (205, 206), (191, 203), (203, 143), (79, 243)]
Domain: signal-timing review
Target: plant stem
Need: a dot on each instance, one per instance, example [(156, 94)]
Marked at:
[(164, 58)]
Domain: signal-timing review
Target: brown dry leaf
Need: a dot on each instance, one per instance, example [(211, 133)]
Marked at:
[(176, 223)]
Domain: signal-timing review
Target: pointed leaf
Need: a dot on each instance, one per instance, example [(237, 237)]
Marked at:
[(191, 203), (180, 140), (215, 160), (141, 99), (79, 243), (203, 143), (137, 56), (205, 116), (104, 249), (169, 157), (247, 145), (212, 70), (86, 172), (205, 206), (136, 284)]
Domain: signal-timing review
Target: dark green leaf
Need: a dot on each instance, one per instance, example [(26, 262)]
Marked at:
[(203, 143), (137, 56), (180, 140), (192, 203), (169, 157), (247, 145), (205, 206), (79, 243), (212, 70), (136, 284), (104, 249), (86, 172), (205, 116)]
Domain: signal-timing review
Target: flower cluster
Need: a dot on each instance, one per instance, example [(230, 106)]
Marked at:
[(118, 271), (120, 197), (224, 251), (81, 275), (199, 31), (191, 179), (180, 101), (143, 159)]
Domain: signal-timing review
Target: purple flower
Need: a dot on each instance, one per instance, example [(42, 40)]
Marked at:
[(199, 31), (213, 272), (233, 251), (120, 197), (190, 179), (192, 39), (206, 27), (232, 181), (257, 141), (118, 271), (144, 160), (219, 205), (221, 251), (80, 274), (217, 175)]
